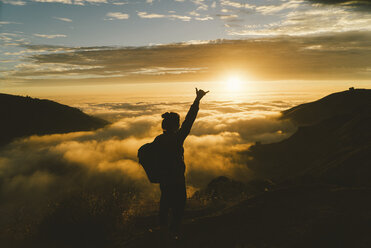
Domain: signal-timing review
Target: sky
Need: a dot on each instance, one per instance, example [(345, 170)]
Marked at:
[(56, 43)]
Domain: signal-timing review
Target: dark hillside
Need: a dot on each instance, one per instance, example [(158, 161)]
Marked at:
[(340, 103), (320, 216), (23, 116), (334, 150)]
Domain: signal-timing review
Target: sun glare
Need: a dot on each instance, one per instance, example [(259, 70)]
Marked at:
[(234, 83)]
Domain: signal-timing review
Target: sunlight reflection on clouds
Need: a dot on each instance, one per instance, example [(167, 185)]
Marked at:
[(37, 170)]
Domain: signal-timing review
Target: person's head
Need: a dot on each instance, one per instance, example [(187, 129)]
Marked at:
[(170, 123)]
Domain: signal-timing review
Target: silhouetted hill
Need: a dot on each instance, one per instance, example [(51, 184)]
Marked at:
[(225, 191), (336, 149), (222, 189), (23, 116), (306, 216), (340, 103)]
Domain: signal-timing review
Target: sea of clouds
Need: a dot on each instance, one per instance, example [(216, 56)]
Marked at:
[(38, 171)]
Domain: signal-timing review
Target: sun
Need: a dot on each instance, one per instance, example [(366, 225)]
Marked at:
[(234, 83)]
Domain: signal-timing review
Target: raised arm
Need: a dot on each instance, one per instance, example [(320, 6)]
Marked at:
[(191, 115)]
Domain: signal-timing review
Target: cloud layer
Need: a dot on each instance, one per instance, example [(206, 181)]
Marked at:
[(41, 170), (332, 56), (361, 5), (284, 40)]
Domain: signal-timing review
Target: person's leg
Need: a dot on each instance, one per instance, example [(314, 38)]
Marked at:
[(164, 205), (164, 215), (178, 202)]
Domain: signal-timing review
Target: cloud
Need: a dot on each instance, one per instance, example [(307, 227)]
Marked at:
[(117, 16), (360, 5), (206, 18), (54, 1), (325, 19), (52, 68), (14, 2), (296, 17), (64, 19), (201, 4), (119, 3), (194, 13), (198, 17), (164, 70), (227, 17), (146, 15), (50, 36), (149, 16), (9, 38), (180, 17), (57, 167), (75, 2), (114, 148), (326, 56), (272, 9), (236, 4), (260, 129)]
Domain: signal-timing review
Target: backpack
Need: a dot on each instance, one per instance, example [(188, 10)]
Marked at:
[(148, 155)]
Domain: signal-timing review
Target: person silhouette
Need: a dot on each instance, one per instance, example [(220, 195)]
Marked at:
[(172, 180)]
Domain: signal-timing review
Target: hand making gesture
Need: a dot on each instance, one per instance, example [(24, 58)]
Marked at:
[(200, 93)]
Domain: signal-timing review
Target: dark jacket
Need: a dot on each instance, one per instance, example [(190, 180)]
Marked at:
[(171, 148)]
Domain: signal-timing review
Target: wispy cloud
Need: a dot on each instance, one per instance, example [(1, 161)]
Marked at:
[(150, 16), (194, 13), (226, 17), (165, 70), (55, 1), (7, 23), (201, 4), (359, 5), (50, 36), (329, 56), (119, 3), (64, 19), (9, 37), (75, 2), (322, 19), (206, 18), (14, 2), (146, 15), (273, 9), (236, 4), (180, 17), (117, 16)]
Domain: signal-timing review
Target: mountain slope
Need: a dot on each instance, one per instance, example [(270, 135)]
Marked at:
[(335, 149), (305, 216), (23, 116), (340, 103)]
